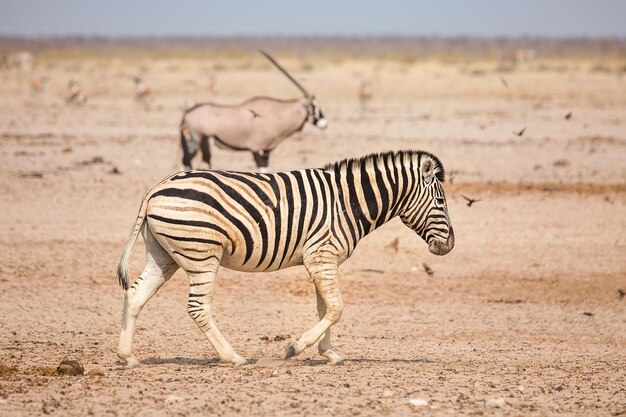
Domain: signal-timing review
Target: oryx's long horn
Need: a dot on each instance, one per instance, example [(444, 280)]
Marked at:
[(284, 71)]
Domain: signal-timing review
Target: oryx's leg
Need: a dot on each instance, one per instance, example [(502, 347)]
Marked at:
[(322, 266), (201, 289), (206, 150), (262, 159), (159, 268), (324, 347)]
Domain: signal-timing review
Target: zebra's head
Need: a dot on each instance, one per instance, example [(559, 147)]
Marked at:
[(316, 116), (426, 211)]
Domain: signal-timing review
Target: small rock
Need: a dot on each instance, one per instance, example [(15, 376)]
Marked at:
[(521, 389), (419, 402), (171, 399), (115, 171), (96, 372), (274, 372), (70, 367), (387, 393), (495, 402), (32, 175)]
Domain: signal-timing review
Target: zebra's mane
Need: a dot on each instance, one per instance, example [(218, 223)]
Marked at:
[(380, 157)]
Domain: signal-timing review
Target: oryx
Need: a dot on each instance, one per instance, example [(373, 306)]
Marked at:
[(257, 125)]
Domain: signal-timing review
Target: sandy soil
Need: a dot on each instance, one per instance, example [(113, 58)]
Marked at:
[(523, 317)]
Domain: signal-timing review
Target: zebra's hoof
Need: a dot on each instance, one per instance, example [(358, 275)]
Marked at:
[(333, 357), (239, 361), (131, 362), (290, 350)]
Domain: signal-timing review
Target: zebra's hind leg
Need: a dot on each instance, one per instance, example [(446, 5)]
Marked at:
[(159, 268), (201, 289), (322, 267), (324, 347)]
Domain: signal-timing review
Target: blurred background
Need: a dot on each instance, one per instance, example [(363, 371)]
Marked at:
[(523, 101)]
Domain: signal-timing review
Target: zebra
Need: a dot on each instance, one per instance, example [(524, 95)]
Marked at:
[(200, 219)]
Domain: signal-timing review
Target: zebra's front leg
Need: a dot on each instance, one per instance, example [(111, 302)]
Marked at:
[(325, 347), (323, 270), (201, 289)]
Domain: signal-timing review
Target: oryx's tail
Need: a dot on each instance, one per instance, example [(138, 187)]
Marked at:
[(122, 266)]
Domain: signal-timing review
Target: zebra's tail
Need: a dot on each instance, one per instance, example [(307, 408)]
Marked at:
[(122, 266)]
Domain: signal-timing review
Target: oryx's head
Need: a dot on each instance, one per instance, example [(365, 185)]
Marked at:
[(315, 115), (425, 210)]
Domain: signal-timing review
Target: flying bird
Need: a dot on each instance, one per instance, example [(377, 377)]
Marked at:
[(470, 201), (394, 245), (521, 132)]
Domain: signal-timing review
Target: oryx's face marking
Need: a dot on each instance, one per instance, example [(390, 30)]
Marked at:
[(316, 116), (427, 212)]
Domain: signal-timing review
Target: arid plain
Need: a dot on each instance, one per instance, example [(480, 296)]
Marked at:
[(523, 317)]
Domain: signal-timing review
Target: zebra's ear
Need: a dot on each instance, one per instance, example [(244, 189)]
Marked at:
[(428, 169)]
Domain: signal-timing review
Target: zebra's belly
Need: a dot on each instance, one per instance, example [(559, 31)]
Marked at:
[(235, 262)]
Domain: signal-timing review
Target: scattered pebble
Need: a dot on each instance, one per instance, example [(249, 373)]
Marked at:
[(96, 372), (387, 393), (70, 367), (495, 402), (419, 402), (561, 163), (34, 174), (172, 399)]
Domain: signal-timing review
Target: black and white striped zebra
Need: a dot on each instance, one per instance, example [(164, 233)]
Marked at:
[(199, 220)]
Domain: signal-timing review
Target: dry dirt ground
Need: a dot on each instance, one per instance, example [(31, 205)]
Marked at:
[(523, 317)]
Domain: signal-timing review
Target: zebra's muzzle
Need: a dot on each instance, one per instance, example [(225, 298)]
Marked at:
[(437, 247)]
